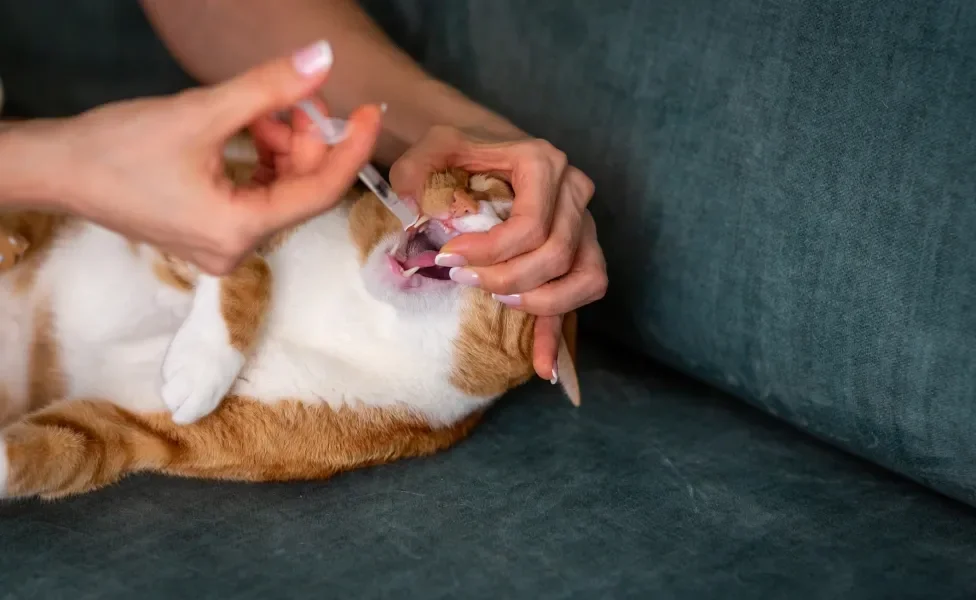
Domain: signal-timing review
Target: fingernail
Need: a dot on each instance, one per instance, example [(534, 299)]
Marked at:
[(313, 59), (464, 276), (449, 260), (555, 376), (512, 300)]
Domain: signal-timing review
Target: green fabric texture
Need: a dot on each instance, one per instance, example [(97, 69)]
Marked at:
[(786, 194), (655, 488)]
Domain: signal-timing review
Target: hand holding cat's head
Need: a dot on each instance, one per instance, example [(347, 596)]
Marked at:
[(493, 347)]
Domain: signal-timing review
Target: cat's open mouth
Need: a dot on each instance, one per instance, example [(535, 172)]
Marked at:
[(413, 253)]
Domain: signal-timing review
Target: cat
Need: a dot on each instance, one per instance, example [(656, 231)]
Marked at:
[(337, 345)]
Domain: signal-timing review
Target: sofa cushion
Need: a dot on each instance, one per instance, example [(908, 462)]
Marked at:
[(786, 194), (655, 487), (785, 190)]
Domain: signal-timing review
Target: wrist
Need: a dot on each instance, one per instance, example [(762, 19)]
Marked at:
[(430, 102)]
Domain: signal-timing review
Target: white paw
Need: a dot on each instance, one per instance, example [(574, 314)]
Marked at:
[(199, 369)]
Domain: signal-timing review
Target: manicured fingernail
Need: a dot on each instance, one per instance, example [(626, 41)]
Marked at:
[(313, 59), (449, 260), (555, 376), (464, 276), (512, 300)]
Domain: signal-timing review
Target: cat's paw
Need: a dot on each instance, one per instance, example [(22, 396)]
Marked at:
[(199, 369)]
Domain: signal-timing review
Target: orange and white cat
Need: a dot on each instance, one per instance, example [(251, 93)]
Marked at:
[(339, 345)]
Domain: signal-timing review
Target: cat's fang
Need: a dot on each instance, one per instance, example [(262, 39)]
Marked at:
[(409, 272), (396, 246)]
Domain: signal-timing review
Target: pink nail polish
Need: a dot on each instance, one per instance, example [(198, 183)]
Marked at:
[(313, 59), (464, 276), (449, 260), (512, 300)]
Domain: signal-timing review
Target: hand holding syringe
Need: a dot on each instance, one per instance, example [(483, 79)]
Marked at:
[(334, 131)]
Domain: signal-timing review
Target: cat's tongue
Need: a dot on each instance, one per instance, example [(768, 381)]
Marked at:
[(422, 260)]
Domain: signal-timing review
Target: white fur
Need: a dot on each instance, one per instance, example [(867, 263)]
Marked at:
[(114, 318), (333, 335), (201, 365), (330, 339)]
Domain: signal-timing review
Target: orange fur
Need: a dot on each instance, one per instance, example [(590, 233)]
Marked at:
[(7, 408), (39, 231), (46, 381), (12, 249), (244, 298), (494, 347), (440, 190), (69, 446), (81, 445), (464, 203), (369, 221), (174, 272)]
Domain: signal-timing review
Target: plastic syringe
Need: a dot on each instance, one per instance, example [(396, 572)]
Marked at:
[(334, 131)]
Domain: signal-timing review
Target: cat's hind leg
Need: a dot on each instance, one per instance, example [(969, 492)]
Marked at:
[(210, 348), (77, 446)]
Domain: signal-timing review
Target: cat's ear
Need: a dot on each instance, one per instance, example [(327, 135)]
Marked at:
[(566, 359)]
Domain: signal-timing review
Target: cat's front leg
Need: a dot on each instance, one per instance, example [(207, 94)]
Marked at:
[(209, 350)]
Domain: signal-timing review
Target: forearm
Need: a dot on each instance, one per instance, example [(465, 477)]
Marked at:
[(368, 66), (29, 167)]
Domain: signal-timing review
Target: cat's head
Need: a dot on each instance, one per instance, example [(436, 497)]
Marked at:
[(492, 351)]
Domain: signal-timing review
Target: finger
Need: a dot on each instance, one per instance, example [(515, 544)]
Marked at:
[(553, 260), (291, 200), (308, 149), (585, 283), (433, 152), (537, 180), (217, 265), (271, 86), (271, 135), (545, 346)]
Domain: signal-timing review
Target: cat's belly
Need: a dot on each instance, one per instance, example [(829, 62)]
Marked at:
[(114, 319)]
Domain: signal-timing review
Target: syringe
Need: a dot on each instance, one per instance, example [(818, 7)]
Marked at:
[(334, 131)]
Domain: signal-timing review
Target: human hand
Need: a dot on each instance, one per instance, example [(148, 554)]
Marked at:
[(545, 258), (152, 169)]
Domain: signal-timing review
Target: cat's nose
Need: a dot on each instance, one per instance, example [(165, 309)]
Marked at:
[(463, 204)]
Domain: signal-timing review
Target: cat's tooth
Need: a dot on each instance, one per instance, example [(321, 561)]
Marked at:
[(409, 272)]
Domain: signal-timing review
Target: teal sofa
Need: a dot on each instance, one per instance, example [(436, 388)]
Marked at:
[(779, 389)]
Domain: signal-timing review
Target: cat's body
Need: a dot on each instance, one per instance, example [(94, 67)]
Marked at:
[(314, 357)]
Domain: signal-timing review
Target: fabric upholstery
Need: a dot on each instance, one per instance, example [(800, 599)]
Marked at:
[(656, 487), (785, 197), (786, 193)]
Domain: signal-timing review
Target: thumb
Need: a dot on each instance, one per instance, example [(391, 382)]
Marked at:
[(274, 85)]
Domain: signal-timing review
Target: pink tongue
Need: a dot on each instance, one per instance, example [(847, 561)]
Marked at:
[(422, 260)]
